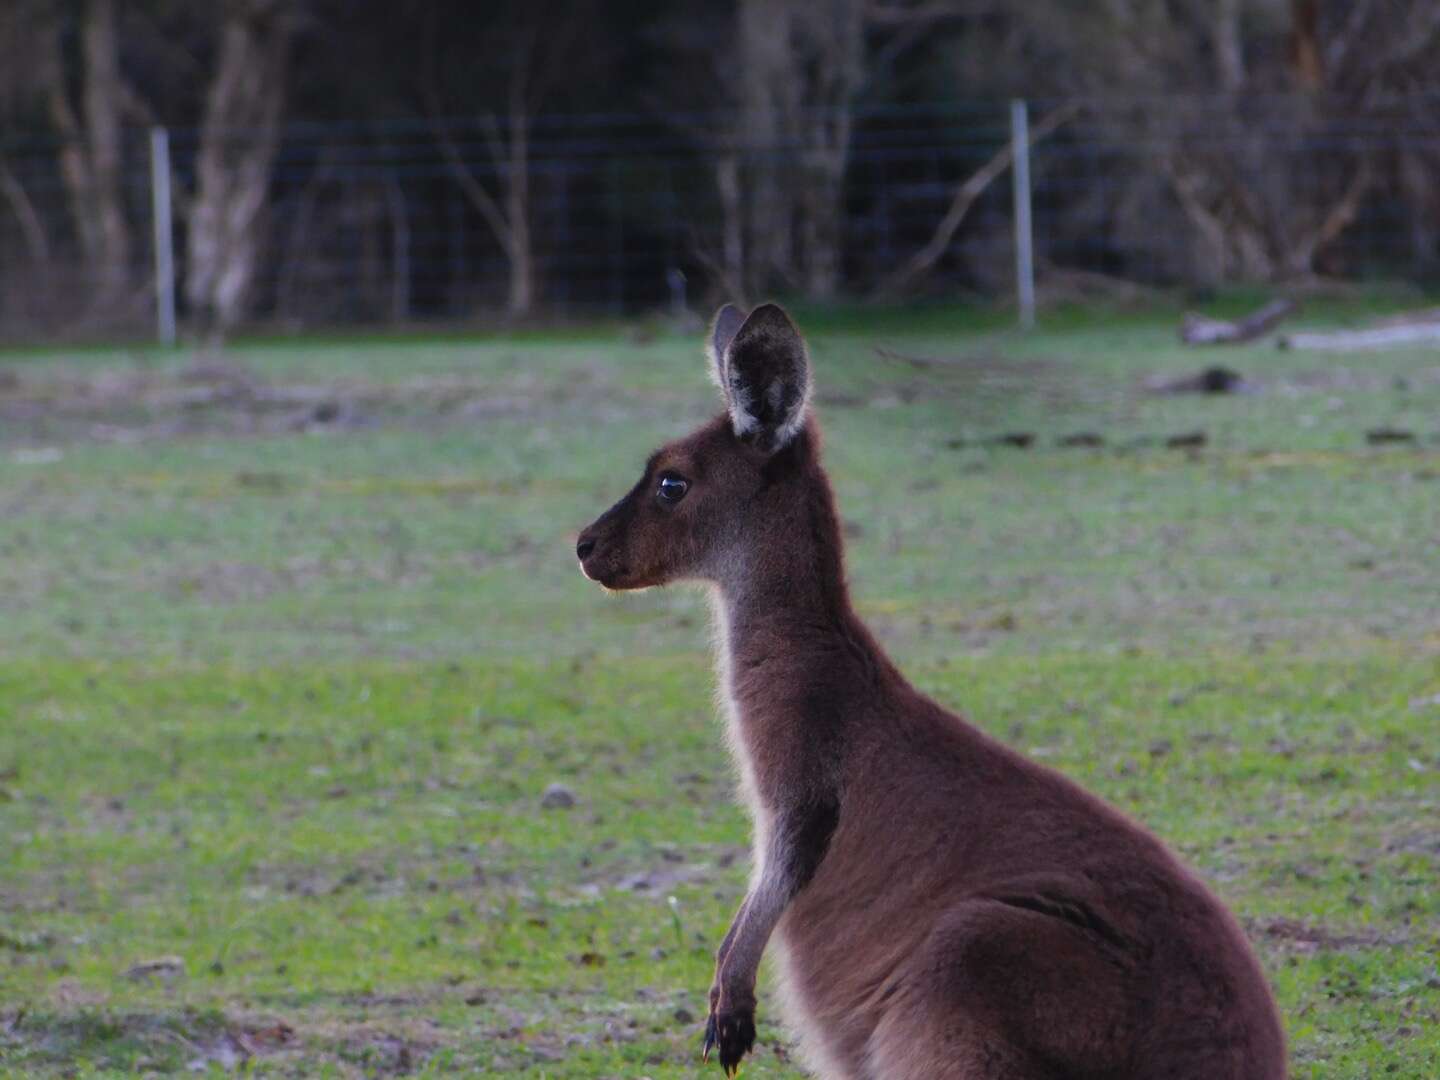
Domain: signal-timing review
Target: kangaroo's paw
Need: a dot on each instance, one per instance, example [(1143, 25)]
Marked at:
[(732, 1033)]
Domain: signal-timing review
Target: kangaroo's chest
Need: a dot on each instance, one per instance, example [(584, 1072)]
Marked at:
[(781, 720)]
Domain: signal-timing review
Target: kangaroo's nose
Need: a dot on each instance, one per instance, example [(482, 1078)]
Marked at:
[(584, 548)]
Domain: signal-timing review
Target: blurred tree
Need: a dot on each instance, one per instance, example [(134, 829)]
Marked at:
[(797, 66), (1248, 139), (785, 76), (68, 56), (239, 135), (527, 50), (18, 76), (1228, 139)]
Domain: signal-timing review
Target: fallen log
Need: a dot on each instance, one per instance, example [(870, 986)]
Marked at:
[(1382, 337), (1203, 330)]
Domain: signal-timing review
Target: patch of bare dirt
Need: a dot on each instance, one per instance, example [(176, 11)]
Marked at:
[(669, 869), (202, 1042), (228, 582), (241, 1044), (1297, 935), (390, 875), (973, 377), (1339, 379), (218, 397)]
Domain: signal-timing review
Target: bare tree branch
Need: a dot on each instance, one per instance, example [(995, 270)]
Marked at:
[(475, 191), (1229, 51), (1337, 220), (31, 227), (965, 196), (74, 166), (1186, 188), (297, 243), (729, 283), (494, 141), (545, 66)]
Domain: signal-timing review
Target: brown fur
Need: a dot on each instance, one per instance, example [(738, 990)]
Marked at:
[(947, 908)]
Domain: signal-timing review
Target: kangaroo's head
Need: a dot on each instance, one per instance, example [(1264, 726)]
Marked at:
[(710, 501)]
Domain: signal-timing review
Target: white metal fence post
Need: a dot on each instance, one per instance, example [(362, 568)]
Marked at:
[(164, 234), (1024, 239)]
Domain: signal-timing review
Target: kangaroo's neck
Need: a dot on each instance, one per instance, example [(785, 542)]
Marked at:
[(785, 624), (787, 576)]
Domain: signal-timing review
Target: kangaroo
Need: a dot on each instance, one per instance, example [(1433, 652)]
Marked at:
[(944, 907)]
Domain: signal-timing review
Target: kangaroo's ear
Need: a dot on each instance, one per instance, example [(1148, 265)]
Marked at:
[(765, 376), (727, 321)]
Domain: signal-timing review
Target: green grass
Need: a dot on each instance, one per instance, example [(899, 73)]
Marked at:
[(280, 700)]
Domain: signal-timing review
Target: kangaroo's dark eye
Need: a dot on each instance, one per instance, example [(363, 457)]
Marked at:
[(672, 488)]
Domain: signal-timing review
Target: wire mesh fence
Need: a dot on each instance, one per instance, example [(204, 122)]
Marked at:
[(423, 221)]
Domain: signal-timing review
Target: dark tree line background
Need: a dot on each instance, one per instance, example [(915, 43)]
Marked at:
[(1229, 140)]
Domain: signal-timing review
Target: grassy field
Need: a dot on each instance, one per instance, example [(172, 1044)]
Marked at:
[(292, 644)]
